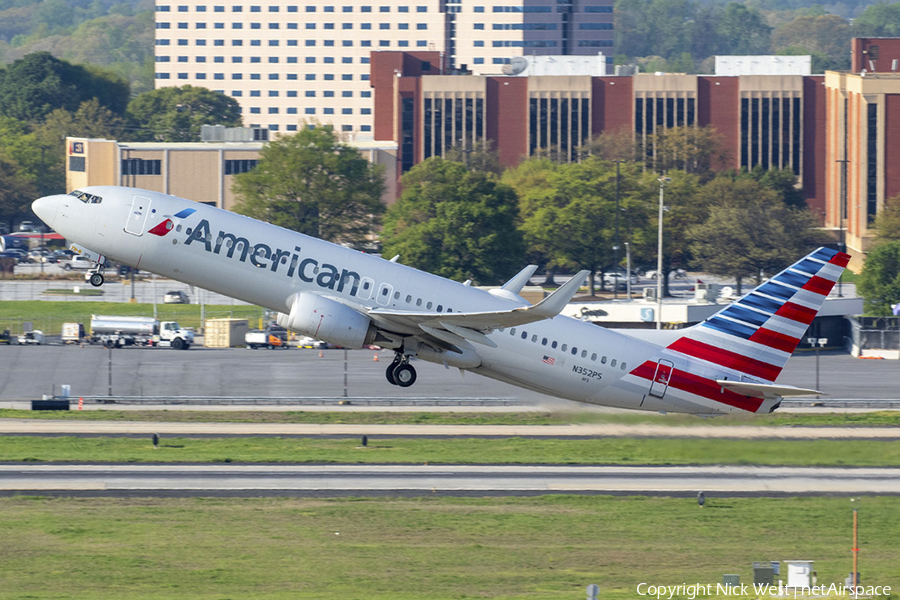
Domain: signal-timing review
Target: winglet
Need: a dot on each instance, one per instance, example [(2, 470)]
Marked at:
[(551, 306), (516, 284)]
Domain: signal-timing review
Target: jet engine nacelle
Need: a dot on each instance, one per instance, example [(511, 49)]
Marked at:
[(324, 319)]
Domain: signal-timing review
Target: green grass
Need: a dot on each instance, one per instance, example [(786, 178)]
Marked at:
[(48, 316), (548, 547), (71, 292), (869, 419), (515, 450)]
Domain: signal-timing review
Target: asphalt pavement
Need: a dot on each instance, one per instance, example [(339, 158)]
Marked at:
[(33, 371)]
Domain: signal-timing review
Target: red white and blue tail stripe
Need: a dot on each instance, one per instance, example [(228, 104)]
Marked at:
[(751, 340)]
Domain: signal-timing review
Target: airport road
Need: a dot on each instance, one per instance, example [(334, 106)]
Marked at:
[(243, 480), (31, 371)]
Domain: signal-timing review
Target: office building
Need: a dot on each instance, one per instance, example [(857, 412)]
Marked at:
[(287, 63)]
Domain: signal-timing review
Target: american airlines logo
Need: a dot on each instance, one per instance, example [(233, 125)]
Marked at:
[(263, 256)]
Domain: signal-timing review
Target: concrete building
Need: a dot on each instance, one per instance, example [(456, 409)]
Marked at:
[(203, 172), (765, 120), (863, 142), (291, 63)]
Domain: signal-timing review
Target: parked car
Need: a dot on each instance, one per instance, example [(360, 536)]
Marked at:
[(674, 274), (176, 297), (26, 226), (78, 262)]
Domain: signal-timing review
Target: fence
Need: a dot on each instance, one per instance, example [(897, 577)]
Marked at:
[(874, 333)]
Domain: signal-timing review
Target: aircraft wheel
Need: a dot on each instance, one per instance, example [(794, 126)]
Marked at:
[(96, 280), (389, 373), (404, 375)]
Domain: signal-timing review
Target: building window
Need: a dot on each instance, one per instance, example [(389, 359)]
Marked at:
[(233, 167), (871, 162), (77, 164), (139, 166)]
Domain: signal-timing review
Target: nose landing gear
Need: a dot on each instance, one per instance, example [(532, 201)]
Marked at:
[(400, 372), (95, 275)]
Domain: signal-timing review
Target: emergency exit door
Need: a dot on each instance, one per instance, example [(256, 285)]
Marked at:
[(137, 216)]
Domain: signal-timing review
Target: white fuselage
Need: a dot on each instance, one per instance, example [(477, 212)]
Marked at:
[(562, 356)]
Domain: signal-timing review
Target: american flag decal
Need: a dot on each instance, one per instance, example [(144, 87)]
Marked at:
[(549, 360)]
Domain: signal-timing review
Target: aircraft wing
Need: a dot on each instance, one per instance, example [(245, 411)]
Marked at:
[(765, 390), (472, 326)]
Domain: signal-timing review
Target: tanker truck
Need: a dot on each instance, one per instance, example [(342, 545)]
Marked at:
[(113, 331)]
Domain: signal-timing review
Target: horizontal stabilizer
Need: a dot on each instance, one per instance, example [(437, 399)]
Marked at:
[(765, 390)]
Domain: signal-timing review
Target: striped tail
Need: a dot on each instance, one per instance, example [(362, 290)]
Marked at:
[(756, 335)]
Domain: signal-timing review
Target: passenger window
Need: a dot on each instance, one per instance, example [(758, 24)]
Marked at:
[(418, 302), (553, 345), (583, 353), (603, 360), (574, 350), (408, 299), (429, 305), (544, 342), (564, 346), (534, 338), (396, 295), (612, 363), (594, 356), (622, 366), (512, 331), (440, 308), (524, 335)]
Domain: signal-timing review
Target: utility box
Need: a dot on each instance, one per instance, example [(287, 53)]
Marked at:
[(225, 333), (731, 580), (799, 573), (763, 573)]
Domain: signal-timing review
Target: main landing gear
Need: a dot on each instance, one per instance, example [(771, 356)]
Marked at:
[(400, 372)]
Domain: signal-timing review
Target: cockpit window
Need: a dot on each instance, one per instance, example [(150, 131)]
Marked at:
[(85, 197)]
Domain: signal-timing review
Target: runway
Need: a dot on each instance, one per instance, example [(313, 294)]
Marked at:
[(189, 429), (288, 480)]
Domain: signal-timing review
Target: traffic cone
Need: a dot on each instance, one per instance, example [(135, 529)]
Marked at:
[(320, 354), (80, 403), (376, 357)]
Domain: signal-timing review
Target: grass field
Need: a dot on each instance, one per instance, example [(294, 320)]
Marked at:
[(885, 418), (48, 316), (625, 451), (548, 547)]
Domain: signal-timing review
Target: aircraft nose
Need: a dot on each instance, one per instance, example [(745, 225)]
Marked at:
[(46, 208)]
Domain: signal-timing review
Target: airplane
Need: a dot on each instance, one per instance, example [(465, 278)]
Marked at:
[(725, 364)]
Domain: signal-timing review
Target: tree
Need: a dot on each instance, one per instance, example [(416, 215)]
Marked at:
[(879, 282), (610, 145), (695, 150), (749, 232), (742, 30), (312, 183), (887, 223), (568, 211), (825, 37), (175, 114), (16, 191), (34, 86), (456, 223), (878, 20), (479, 156)]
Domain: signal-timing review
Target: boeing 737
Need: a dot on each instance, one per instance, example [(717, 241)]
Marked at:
[(726, 364)]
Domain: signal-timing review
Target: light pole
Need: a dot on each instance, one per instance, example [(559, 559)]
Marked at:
[(841, 215), (616, 239), (659, 252), (628, 270)]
